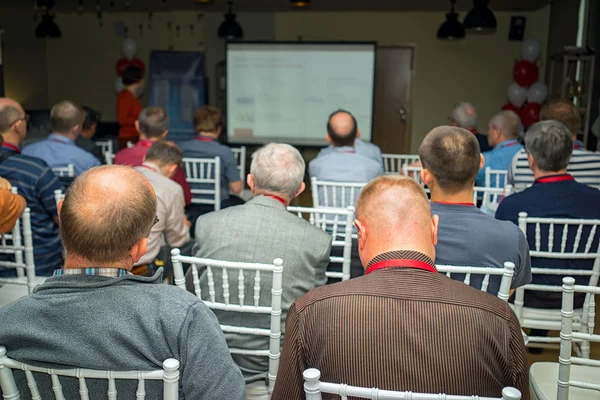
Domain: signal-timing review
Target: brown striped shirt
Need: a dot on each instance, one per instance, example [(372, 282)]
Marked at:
[(403, 329)]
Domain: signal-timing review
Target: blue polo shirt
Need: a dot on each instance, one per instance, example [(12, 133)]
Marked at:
[(366, 149), (499, 157), (59, 151), (557, 196), (207, 147), (36, 183)]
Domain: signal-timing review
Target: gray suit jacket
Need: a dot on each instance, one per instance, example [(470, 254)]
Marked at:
[(260, 231)]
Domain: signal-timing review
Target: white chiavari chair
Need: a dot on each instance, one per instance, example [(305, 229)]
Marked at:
[(467, 274), (583, 246), (106, 146), (414, 172), (393, 163), (334, 194), (314, 389), (130, 144), (338, 223), (240, 158), (64, 172), (234, 276), (58, 196), (495, 177), (572, 378), (169, 375), (204, 177), (490, 197)]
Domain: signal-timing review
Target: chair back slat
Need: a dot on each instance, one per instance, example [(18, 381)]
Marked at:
[(112, 388), (204, 177), (225, 278), (140, 393), (32, 385), (256, 288), (537, 237), (551, 239), (196, 281), (56, 387), (590, 240), (241, 286), (83, 389), (211, 284)]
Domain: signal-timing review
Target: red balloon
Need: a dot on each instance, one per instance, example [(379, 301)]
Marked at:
[(124, 63), (511, 107), (525, 73), (530, 114)]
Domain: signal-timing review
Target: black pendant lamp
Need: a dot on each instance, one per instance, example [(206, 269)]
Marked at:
[(230, 28), (480, 18), (451, 28), (300, 3)]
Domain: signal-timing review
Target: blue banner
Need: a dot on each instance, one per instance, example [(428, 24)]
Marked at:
[(176, 83)]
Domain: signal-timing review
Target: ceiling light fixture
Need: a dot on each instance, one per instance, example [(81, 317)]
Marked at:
[(481, 18), (47, 27), (230, 28), (451, 28), (300, 3)]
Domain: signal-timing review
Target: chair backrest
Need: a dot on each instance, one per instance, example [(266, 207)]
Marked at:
[(22, 249), (169, 375), (495, 177), (204, 177), (338, 223), (68, 171), (58, 196), (109, 158), (240, 158), (334, 194), (506, 273), (567, 336), (490, 196), (106, 146), (313, 388), (130, 144), (234, 271), (393, 163)]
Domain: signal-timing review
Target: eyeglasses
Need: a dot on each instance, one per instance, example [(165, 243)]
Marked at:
[(23, 118), (155, 221)]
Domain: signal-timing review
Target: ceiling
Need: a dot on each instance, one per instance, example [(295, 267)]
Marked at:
[(284, 5)]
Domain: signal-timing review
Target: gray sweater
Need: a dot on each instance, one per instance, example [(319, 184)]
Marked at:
[(126, 323)]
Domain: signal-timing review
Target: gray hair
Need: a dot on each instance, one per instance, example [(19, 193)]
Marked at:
[(8, 116), (465, 115), (165, 152), (153, 121), (65, 116), (550, 143), (509, 123), (279, 168)]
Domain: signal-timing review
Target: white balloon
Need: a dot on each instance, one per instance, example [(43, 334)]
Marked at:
[(538, 93), (516, 94), (129, 48), (530, 50), (119, 85)]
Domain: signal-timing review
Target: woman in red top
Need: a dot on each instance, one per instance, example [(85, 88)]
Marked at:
[(128, 104)]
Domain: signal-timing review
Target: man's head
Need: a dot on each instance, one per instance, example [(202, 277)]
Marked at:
[(451, 159), (563, 111), (167, 156), (13, 120), (90, 123), (133, 78), (393, 213), (464, 116), (503, 126), (277, 169), (106, 217), (67, 119), (153, 123), (550, 145), (342, 129), (208, 120)]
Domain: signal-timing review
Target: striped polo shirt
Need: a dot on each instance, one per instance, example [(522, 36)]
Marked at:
[(584, 166), (36, 182)]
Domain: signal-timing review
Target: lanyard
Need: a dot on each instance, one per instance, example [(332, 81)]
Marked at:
[(11, 146), (513, 142), (145, 143), (279, 199), (205, 139), (400, 263), (556, 178), (456, 204)]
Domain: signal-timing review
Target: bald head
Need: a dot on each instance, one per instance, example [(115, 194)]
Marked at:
[(10, 112), (342, 128), (393, 213), (106, 211), (66, 116)]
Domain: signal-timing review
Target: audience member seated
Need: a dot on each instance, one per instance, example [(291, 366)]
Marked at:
[(466, 235), (208, 123), (59, 149), (343, 163), (152, 125), (128, 104), (464, 115), (160, 164), (402, 326), (554, 194), (11, 205), (260, 231), (504, 130), (36, 183), (584, 165), (88, 130), (94, 314)]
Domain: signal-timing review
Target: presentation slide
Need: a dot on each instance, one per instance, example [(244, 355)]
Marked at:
[(285, 92)]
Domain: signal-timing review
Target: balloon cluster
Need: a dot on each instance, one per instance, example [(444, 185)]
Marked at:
[(525, 94), (129, 49)]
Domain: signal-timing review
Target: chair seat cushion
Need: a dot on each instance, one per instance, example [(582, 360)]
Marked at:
[(544, 375)]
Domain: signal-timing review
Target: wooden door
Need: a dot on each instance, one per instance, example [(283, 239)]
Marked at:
[(394, 73)]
